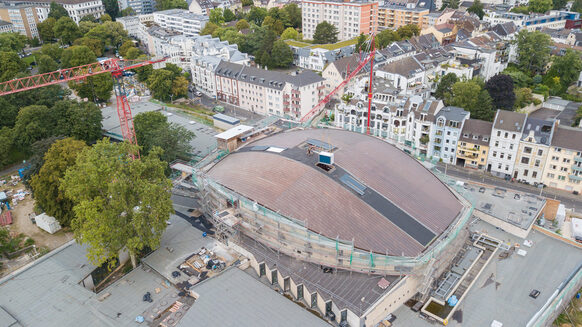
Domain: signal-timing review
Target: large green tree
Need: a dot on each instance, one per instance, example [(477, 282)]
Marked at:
[(257, 15), (12, 42), (77, 55), (477, 9), (559, 4), (111, 33), (119, 203), (533, 51), (470, 96), (38, 149), (567, 68), (57, 11), (540, 6), (46, 184), (10, 65), (6, 140), (33, 123), (500, 88), (325, 33), (577, 6), (46, 64), (290, 34), (111, 8), (160, 84), (46, 29), (8, 113), (282, 54), (408, 31), (52, 50), (273, 24), (94, 44), (98, 88), (81, 120), (228, 15), (171, 4), (153, 129), (216, 16), (291, 15), (444, 88), (66, 30), (240, 25), (385, 38)]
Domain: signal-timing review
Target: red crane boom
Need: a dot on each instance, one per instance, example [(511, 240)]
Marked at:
[(319, 106), (113, 65)]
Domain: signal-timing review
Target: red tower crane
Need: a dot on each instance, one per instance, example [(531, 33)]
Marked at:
[(363, 61), (114, 66)]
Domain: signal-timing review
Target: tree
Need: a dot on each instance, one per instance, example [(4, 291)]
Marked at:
[(46, 64), (523, 97), (453, 4), (44, 96), (240, 25), (445, 87), (246, 3), (171, 4), (385, 38), (132, 53), (33, 123), (408, 31), (290, 34), (216, 16), (291, 15), (500, 88), (52, 50), (81, 120), (274, 13), (89, 18), (96, 88), (111, 33), (209, 29), (36, 160), (12, 42), (125, 47), (361, 45), (105, 18), (477, 9), (8, 113), (533, 51), (179, 87), (6, 140), (77, 55), (46, 29), (10, 65), (143, 73), (257, 15), (119, 203), (567, 67), (520, 10), (66, 30), (111, 8), (160, 83), (127, 12), (463, 95), (46, 185), (228, 15), (85, 27), (559, 4), (94, 44), (577, 6), (540, 6), (325, 33), (282, 54), (153, 129), (57, 11), (273, 24)]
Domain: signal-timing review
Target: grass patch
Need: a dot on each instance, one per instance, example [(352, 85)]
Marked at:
[(28, 60), (296, 43), (336, 45)]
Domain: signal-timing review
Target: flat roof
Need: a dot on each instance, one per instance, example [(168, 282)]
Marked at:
[(502, 290), (234, 298), (402, 193), (233, 132), (226, 119)]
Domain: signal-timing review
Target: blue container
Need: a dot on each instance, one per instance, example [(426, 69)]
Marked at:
[(204, 234)]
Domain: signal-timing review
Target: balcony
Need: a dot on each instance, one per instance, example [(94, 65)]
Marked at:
[(467, 155), (577, 159), (577, 168), (575, 177), (465, 148), (321, 87)]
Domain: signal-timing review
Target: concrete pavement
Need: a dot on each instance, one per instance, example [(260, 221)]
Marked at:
[(567, 198)]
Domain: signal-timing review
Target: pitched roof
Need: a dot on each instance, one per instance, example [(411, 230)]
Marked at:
[(568, 138), (476, 130), (342, 64), (404, 67), (453, 113), (505, 29), (509, 121), (542, 130), (266, 78)]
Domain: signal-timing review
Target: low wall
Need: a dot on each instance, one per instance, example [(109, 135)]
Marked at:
[(510, 228)]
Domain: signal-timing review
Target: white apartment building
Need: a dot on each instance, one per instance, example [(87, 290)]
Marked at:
[(445, 133), (140, 7), (76, 9), (505, 137), (180, 21), (533, 150), (351, 18), (555, 19), (268, 92), (203, 74), (317, 59), (488, 52), (6, 27), (131, 24), (563, 168)]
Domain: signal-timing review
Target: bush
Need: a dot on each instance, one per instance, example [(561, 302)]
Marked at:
[(29, 241), (537, 102)]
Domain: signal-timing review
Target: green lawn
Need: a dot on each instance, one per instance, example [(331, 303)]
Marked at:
[(28, 60), (296, 43), (336, 45)]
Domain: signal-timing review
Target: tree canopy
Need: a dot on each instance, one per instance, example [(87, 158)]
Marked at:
[(171, 4), (386, 37), (567, 68), (46, 184), (445, 85), (282, 54), (66, 30), (119, 203), (408, 31), (10, 65), (325, 33), (470, 96), (216, 16), (533, 50), (111, 8), (290, 34), (540, 6), (477, 9), (57, 11), (240, 25), (46, 29), (153, 129), (500, 88), (12, 42)]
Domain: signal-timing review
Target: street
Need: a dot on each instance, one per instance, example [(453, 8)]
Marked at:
[(246, 117), (567, 198)]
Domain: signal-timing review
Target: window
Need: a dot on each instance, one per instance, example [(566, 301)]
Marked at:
[(498, 133), (313, 300), (509, 157), (534, 174), (506, 167), (494, 153), (496, 143), (525, 160), (511, 147), (273, 277), (550, 175), (499, 166), (540, 152), (299, 291), (344, 316), (554, 158), (527, 149), (562, 178), (564, 169), (537, 163), (566, 160), (501, 155), (506, 135), (513, 136)]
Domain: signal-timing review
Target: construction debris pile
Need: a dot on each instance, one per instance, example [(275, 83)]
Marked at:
[(203, 264)]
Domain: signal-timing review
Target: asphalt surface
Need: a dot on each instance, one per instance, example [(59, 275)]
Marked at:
[(568, 199)]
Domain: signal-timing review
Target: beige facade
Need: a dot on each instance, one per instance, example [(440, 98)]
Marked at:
[(563, 167), (24, 19), (397, 16), (474, 155)]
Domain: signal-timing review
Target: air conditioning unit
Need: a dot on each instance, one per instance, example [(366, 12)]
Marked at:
[(326, 158)]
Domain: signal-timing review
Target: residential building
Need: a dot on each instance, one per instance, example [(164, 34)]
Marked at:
[(533, 150), (140, 7), (395, 14), (203, 7), (6, 27), (506, 31), (421, 116), (563, 168), (131, 24), (202, 70), (553, 19), (76, 9), (407, 74), (505, 137), (351, 18), (445, 133), (317, 58), (488, 53), (181, 21), (444, 33), (269, 92), (473, 145), (23, 17), (336, 72)]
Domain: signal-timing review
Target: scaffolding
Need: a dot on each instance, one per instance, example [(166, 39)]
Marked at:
[(294, 238)]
